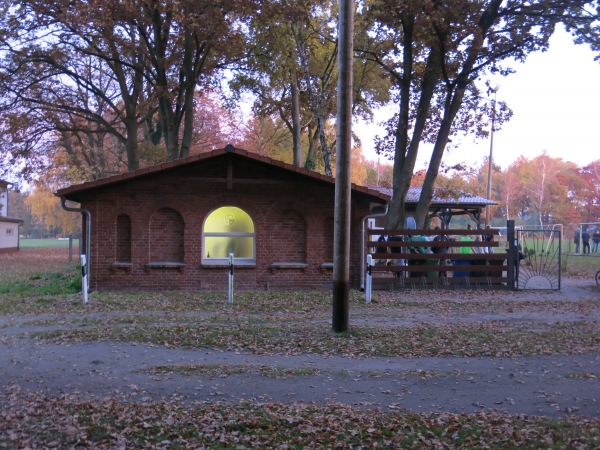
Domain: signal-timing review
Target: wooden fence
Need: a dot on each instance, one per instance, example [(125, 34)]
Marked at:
[(452, 258)]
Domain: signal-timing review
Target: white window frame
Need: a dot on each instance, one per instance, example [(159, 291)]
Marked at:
[(225, 261)]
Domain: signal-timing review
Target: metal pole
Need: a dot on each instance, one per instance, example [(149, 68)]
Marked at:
[(369, 285), (341, 232), (230, 289), (88, 233), (513, 256), (84, 279), (364, 239), (490, 161)]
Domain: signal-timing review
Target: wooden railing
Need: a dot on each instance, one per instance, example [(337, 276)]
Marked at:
[(441, 258)]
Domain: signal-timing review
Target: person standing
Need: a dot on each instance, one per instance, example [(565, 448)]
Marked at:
[(488, 238), (595, 240), (463, 250), (585, 238), (576, 238), (382, 250)]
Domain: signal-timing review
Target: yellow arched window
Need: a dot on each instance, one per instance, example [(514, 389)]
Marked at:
[(228, 230)]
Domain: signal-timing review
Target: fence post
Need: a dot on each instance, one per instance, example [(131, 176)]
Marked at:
[(230, 290), (513, 255), (368, 285)]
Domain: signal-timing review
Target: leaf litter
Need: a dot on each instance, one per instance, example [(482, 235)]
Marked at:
[(410, 324)]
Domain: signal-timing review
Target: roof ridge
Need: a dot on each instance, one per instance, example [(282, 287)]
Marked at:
[(229, 149)]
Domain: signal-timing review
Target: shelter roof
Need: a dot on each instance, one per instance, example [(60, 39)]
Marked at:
[(443, 197)]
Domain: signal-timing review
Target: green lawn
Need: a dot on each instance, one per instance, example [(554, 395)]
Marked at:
[(48, 243)]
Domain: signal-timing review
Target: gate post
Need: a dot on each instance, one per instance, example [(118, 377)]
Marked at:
[(513, 255)]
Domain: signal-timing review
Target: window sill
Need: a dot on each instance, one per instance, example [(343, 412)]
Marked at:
[(287, 265), (124, 266), (326, 266), (165, 265), (226, 266)]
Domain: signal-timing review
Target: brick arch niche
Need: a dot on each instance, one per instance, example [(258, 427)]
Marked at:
[(328, 239), (289, 234), (123, 250), (166, 236)]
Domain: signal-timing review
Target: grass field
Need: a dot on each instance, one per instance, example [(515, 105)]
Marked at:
[(48, 243), (48, 254)]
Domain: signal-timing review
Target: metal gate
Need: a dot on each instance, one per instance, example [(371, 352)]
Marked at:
[(539, 259)]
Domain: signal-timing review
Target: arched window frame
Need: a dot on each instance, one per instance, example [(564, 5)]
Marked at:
[(222, 261)]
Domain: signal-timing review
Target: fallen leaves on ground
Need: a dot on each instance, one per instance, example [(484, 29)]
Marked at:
[(29, 420), (475, 339)]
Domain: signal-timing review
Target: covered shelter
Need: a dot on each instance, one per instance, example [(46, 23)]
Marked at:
[(446, 203)]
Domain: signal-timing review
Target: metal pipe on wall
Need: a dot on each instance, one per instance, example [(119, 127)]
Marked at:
[(88, 233)]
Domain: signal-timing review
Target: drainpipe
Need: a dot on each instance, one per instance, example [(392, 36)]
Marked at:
[(88, 233), (364, 235)]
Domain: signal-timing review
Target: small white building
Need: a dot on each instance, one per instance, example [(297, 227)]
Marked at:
[(9, 227)]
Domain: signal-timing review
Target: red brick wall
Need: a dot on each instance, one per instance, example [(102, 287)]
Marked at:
[(166, 236), (123, 238), (288, 232), (292, 217)]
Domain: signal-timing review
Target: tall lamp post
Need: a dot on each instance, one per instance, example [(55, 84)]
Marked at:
[(490, 160)]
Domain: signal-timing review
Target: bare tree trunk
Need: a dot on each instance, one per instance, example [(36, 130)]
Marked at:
[(131, 144), (315, 99), (432, 75), (188, 99), (324, 147), (296, 127), (436, 157), (405, 153), (313, 139)]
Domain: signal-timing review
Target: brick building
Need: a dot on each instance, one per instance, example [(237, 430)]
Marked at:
[(172, 226)]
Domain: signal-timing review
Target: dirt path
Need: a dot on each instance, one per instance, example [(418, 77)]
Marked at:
[(550, 386), (538, 385)]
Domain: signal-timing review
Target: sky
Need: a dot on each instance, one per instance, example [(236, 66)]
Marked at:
[(555, 99)]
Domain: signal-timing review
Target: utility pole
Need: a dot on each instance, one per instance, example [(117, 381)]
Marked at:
[(341, 230), (490, 160)]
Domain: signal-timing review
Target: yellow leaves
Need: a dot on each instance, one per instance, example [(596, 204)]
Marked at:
[(46, 207)]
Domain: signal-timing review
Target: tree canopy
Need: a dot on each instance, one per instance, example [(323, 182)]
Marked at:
[(438, 55), (97, 78), (102, 87)]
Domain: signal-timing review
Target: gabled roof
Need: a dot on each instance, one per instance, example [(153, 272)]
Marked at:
[(167, 166), (442, 197)]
